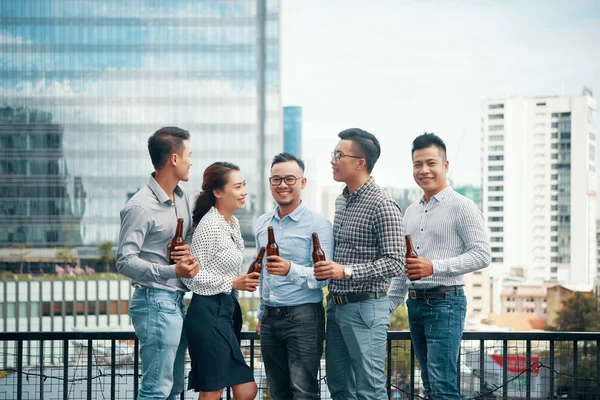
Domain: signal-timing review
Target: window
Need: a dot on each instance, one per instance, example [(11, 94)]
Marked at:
[(497, 259), (496, 116), (496, 178), (496, 168), (495, 188), (496, 128), (495, 158), (496, 138), (495, 148), (497, 249), (477, 285), (497, 229), (541, 104), (495, 219), (495, 106), (476, 297), (498, 239), (554, 115), (495, 208), (495, 198)]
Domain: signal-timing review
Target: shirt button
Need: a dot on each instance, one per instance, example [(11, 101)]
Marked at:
[(425, 210), (418, 248), (421, 229)]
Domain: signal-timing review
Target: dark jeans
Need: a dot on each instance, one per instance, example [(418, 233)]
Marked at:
[(436, 327), (291, 340)]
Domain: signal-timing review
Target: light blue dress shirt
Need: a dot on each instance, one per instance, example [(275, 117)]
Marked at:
[(293, 234)]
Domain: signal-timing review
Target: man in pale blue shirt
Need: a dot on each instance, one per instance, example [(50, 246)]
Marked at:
[(291, 317), (148, 224)]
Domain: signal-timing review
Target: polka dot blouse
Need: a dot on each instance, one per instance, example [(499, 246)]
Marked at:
[(219, 249)]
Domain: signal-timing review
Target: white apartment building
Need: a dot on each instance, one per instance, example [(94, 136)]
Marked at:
[(539, 186)]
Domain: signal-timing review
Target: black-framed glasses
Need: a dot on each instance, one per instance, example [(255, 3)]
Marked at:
[(289, 180), (338, 155)]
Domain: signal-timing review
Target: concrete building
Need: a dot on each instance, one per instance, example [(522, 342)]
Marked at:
[(539, 186)]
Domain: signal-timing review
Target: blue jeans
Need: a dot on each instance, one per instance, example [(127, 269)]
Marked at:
[(157, 317), (291, 340), (436, 327), (355, 349)]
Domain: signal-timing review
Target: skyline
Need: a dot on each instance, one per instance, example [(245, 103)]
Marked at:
[(386, 67)]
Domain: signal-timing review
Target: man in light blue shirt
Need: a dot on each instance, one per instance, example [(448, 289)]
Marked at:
[(291, 316)]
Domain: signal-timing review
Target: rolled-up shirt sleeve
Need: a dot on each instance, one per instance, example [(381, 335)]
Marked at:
[(135, 225)]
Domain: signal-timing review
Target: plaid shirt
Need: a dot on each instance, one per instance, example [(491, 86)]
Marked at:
[(369, 236)]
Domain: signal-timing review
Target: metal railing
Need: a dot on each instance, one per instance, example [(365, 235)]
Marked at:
[(503, 365)]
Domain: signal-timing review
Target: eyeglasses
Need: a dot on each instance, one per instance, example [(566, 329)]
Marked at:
[(337, 155), (289, 180)]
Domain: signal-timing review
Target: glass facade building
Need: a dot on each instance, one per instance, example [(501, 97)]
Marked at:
[(83, 84), (292, 130)]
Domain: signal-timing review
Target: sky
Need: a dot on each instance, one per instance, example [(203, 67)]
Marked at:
[(398, 68)]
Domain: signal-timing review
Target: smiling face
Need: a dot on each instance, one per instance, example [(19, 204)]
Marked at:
[(429, 170), (345, 165), (287, 193), (233, 195), (183, 162)]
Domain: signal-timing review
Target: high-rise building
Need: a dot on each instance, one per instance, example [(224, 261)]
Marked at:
[(112, 73), (539, 186), (292, 130), (36, 207), (470, 192)]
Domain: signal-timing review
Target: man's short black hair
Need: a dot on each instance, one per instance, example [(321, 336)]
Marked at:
[(426, 140), (367, 144), (164, 142), (284, 157)]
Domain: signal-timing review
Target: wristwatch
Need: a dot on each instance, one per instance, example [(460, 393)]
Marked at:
[(347, 272)]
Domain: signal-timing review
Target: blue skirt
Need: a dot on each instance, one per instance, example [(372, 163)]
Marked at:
[(213, 343)]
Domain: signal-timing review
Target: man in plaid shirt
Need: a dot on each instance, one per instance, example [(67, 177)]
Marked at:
[(369, 250)]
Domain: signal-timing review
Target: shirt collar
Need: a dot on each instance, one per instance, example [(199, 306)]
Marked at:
[(294, 215), (160, 193), (442, 195), (363, 188)]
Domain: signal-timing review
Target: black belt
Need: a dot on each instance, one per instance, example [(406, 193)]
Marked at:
[(438, 292), (353, 298)]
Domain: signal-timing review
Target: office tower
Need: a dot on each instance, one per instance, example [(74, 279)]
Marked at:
[(539, 186), (112, 73), (292, 130)]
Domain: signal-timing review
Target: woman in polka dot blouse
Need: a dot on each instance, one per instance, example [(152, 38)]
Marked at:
[(217, 360)]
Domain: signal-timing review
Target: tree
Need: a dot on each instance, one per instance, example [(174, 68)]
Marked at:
[(21, 254), (65, 254), (578, 314), (106, 255), (399, 320)]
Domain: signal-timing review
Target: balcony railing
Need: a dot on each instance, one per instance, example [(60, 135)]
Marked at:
[(503, 365)]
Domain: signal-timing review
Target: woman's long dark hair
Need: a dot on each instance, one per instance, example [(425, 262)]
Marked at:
[(215, 177)]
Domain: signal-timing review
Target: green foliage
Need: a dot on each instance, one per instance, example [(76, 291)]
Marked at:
[(399, 320), (106, 255), (8, 276), (579, 314), (21, 253)]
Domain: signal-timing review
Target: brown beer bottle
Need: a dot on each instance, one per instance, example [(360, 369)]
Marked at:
[(272, 248), (410, 250), (256, 265), (178, 238), (318, 254)]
